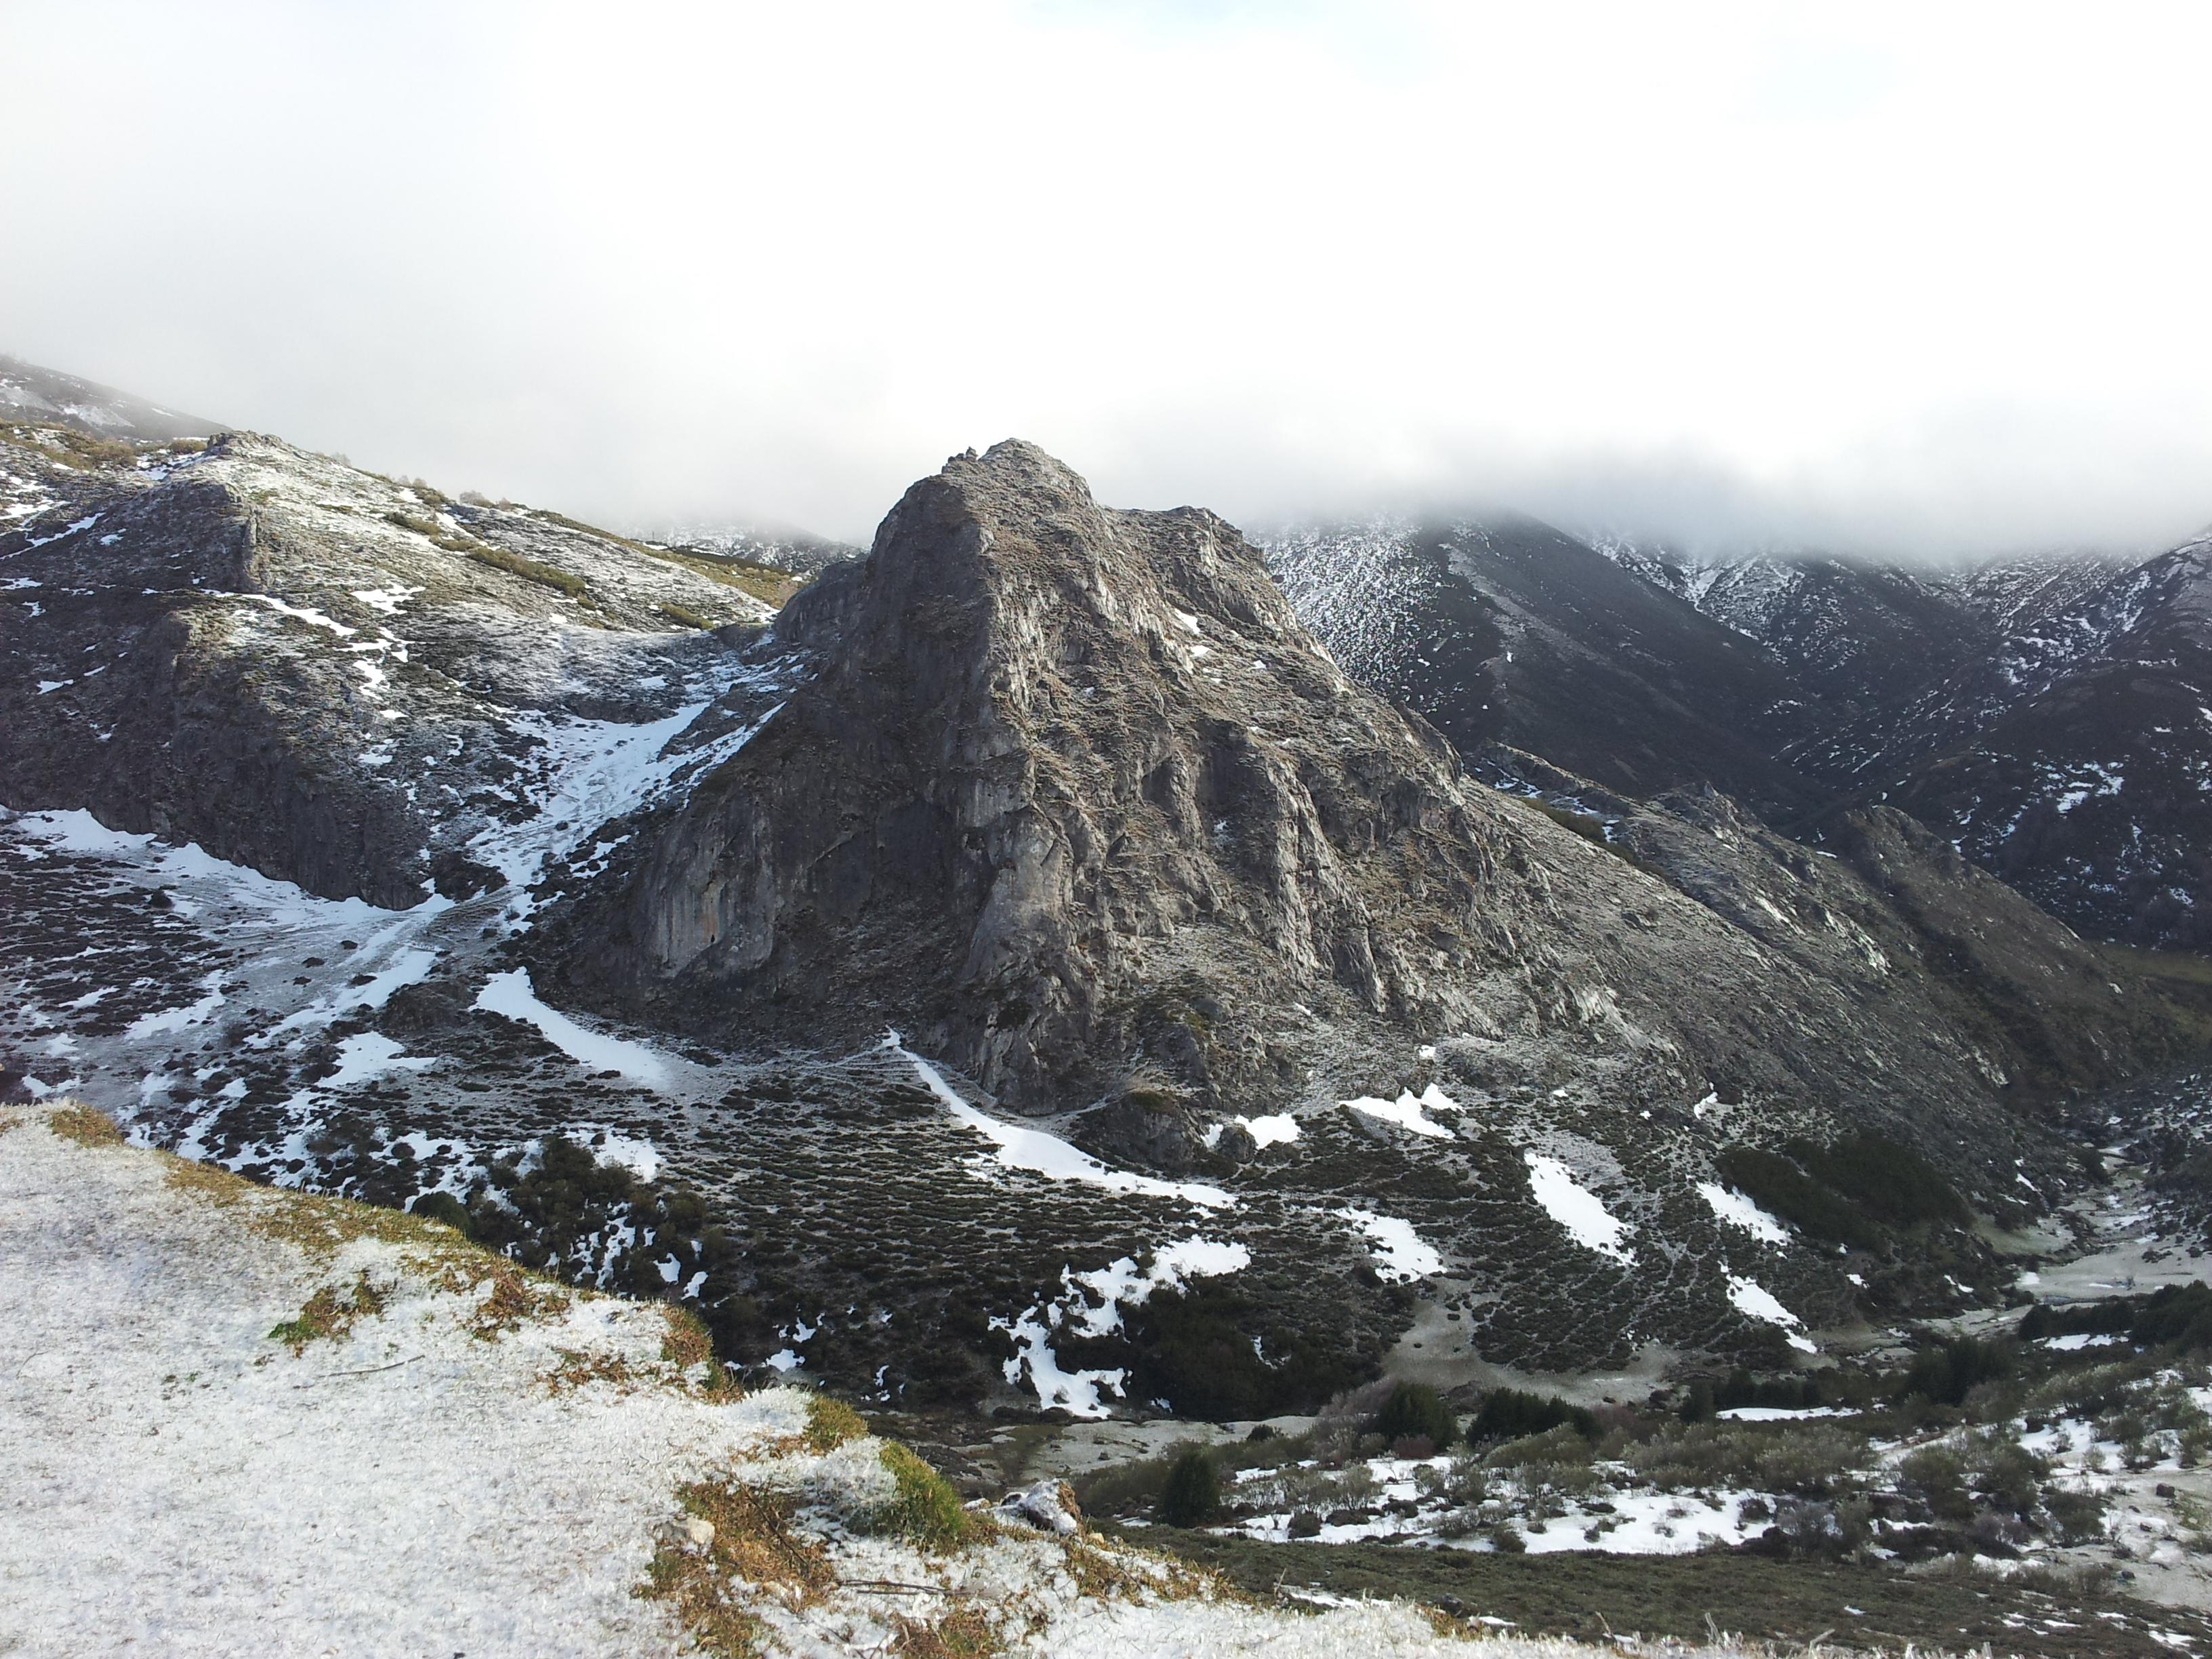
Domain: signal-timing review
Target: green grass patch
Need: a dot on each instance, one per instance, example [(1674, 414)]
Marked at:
[(925, 1511), (329, 1313), (528, 569), (830, 1422), (86, 1125)]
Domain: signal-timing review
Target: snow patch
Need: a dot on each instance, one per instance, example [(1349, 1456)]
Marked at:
[(1577, 1209), (1047, 1155), (1407, 1110), (510, 996), (1755, 1302), (1737, 1211), (1400, 1255)]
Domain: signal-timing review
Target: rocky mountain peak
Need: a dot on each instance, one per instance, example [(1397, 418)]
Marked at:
[(1084, 749)]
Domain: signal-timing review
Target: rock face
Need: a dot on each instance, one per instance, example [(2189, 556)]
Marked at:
[(1068, 795)]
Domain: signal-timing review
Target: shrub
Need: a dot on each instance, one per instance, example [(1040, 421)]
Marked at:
[(1505, 1538), (1563, 1445), (1775, 1183), (2079, 1516), (1515, 1413), (2179, 1313), (1893, 1183), (1415, 1411), (830, 1422), (1949, 1370), (445, 1208), (685, 616), (2113, 1316), (1815, 1459), (1846, 1192), (1936, 1475), (1192, 1491)]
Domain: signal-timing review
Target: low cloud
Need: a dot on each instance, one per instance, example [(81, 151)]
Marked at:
[(1895, 282)]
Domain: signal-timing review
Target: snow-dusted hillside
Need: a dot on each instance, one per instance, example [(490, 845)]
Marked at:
[(239, 1420), (30, 393), (328, 675), (2043, 712)]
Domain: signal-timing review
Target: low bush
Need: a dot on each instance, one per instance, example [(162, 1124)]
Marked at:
[(1948, 1370), (1515, 1413), (1192, 1493), (1776, 1184), (1415, 1411), (2178, 1314), (444, 1207), (530, 570), (1847, 1192), (830, 1422), (1563, 1445), (1812, 1459)]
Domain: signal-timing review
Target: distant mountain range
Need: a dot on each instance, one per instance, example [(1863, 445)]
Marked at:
[(2050, 715)]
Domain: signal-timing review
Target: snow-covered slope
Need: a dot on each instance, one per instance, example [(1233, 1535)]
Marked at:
[(1505, 629), (30, 393), (316, 670), (245, 1420), (2043, 712)]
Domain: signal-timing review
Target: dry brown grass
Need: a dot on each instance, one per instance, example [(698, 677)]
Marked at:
[(580, 1370), (85, 1125), (764, 581), (687, 1343), (963, 1633), (1127, 1572), (329, 1313), (516, 1297), (72, 447), (754, 1546), (321, 1226), (207, 1181), (11, 1120)]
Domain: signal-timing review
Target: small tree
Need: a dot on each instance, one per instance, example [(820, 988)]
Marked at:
[(1415, 1411), (1192, 1491)]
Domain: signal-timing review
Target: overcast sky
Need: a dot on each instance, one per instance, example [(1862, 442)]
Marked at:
[(1923, 276)]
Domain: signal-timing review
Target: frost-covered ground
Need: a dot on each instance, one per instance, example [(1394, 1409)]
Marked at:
[(450, 1460)]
